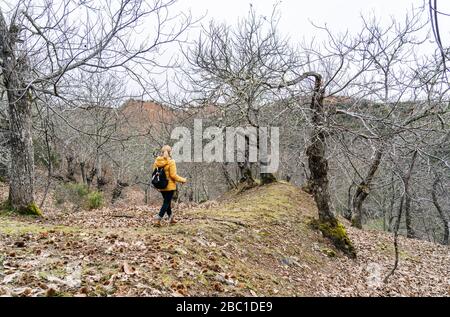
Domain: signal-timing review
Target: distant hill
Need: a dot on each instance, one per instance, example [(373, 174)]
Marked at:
[(147, 114)]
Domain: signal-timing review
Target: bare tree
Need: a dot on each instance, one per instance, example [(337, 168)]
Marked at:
[(237, 70), (45, 42)]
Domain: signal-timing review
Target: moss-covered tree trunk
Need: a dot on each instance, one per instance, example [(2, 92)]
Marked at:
[(318, 166), (21, 172), (317, 162)]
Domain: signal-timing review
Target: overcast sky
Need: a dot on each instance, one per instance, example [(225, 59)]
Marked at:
[(296, 14)]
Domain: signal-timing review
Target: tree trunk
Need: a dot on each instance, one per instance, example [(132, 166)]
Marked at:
[(21, 173), (231, 184), (21, 188), (245, 169), (117, 191), (146, 190), (391, 205), (90, 176), (267, 178), (347, 214), (83, 172), (445, 220), (101, 181), (262, 140), (70, 168), (318, 166), (363, 190), (49, 166), (409, 228), (246, 180)]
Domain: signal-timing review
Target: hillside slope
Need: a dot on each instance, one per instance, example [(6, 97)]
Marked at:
[(253, 244)]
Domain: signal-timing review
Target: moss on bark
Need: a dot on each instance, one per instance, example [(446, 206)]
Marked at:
[(32, 209), (337, 234)]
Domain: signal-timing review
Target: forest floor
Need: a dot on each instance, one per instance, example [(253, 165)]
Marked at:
[(257, 243)]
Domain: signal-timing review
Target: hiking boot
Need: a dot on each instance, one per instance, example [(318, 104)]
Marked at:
[(172, 221), (157, 222)]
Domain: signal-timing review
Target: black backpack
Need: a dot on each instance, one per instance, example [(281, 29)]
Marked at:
[(159, 179)]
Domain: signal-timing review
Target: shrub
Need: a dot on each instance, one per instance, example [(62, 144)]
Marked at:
[(80, 189), (94, 200), (79, 195), (71, 192)]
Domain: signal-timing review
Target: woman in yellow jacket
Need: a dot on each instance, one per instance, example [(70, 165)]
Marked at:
[(170, 169)]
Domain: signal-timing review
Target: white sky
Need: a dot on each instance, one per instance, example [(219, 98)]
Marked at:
[(296, 14)]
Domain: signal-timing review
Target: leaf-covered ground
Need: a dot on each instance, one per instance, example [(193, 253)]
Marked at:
[(254, 244)]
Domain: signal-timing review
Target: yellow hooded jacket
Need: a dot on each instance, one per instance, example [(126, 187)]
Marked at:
[(170, 168)]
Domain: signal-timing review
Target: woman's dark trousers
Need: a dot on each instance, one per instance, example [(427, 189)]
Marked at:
[(166, 208)]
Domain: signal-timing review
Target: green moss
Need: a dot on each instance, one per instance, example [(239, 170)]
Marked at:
[(337, 234), (32, 209), (17, 227)]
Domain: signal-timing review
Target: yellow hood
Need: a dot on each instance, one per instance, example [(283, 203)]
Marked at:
[(161, 161)]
